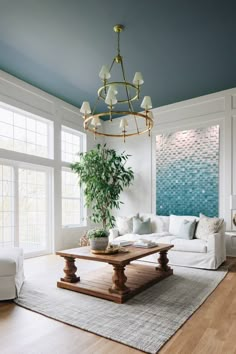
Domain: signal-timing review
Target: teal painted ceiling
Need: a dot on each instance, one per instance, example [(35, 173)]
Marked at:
[(184, 48)]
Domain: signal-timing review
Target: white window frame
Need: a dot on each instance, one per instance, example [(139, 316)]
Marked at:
[(27, 114), (65, 166), (16, 165)]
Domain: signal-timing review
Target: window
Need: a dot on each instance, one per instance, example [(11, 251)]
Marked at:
[(71, 201), (25, 192), (6, 206), (24, 207), (33, 209), (26, 182), (25, 133), (72, 143)]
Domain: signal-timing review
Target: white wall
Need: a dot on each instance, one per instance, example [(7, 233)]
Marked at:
[(24, 96), (218, 108)]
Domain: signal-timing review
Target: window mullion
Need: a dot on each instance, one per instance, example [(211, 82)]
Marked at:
[(16, 207)]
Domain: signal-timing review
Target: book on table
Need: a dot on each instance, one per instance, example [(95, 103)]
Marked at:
[(122, 243), (144, 243)]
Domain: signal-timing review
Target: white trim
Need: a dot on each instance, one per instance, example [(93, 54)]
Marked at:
[(16, 206)]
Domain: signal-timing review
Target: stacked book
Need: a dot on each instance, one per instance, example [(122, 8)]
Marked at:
[(122, 243), (144, 243)]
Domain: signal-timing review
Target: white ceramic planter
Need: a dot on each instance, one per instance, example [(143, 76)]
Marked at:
[(99, 243)]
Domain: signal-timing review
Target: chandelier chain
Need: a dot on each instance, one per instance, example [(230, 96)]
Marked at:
[(95, 105), (118, 44), (113, 61), (128, 97)]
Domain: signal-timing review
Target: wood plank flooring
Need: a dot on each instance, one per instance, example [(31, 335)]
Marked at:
[(211, 330)]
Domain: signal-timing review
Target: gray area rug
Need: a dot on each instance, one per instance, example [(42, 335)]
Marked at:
[(145, 322)]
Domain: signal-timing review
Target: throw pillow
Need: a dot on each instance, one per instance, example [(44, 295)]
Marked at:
[(176, 221), (142, 227), (124, 224), (207, 226), (159, 223), (187, 229)]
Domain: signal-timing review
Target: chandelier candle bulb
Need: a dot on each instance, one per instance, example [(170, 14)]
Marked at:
[(104, 73), (85, 108), (123, 123), (138, 79), (96, 122), (150, 115), (112, 90), (146, 103), (110, 98)]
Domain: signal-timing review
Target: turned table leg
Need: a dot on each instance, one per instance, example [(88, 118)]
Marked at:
[(163, 262), (70, 270), (119, 279)]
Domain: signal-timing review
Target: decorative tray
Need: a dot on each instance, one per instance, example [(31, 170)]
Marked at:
[(112, 250)]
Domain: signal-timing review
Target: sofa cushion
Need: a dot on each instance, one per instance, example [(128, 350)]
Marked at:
[(207, 226), (142, 227), (162, 237), (159, 223), (125, 224), (187, 229), (176, 221), (165, 239), (198, 246)]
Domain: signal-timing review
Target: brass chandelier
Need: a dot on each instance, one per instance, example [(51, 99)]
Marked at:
[(119, 93)]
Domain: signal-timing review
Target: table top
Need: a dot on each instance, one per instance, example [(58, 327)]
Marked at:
[(117, 258)]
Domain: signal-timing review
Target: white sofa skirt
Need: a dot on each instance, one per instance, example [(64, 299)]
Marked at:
[(188, 259), (194, 253)]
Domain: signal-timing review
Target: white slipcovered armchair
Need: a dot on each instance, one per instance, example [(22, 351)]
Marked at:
[(11, 272)]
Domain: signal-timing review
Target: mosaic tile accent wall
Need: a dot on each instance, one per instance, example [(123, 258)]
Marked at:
[(187, 172)]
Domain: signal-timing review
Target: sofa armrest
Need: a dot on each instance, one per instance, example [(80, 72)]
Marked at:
[(216, 244), (113, 233)]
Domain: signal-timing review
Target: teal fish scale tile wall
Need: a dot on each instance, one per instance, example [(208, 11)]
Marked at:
[(187, 172)]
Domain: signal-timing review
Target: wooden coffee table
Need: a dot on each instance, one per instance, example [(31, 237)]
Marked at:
[(117, 287)]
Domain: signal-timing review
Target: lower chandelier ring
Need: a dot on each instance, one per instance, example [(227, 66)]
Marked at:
[(149, 124)]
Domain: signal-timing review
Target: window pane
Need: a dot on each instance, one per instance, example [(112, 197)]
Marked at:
[(32, 210), (71, 203), (6, 206), (70, 145), (23, 134)]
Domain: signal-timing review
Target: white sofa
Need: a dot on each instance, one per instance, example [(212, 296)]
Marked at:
[(197, 253), (11, 272)]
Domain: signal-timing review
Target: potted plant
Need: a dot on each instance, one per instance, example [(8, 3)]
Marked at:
[(98, 239), (103, 175)]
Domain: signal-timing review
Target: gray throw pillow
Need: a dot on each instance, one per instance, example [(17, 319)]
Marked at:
[(187, 229), (142, 227)]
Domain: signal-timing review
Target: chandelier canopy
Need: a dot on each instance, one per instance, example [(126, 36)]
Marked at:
[(115, 93)]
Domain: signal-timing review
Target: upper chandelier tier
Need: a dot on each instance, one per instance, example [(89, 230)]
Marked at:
[(115, 93)]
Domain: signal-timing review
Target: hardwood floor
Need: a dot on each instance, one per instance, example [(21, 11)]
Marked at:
[(211, 329)]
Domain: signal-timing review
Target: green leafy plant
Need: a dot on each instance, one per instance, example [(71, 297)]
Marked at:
[(103, 175), (97, 233)]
